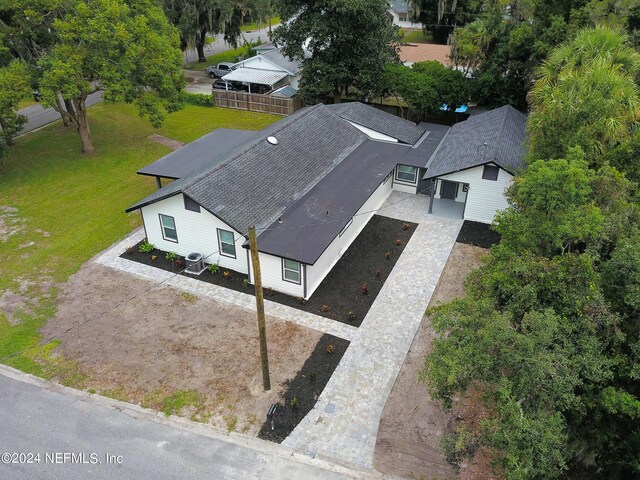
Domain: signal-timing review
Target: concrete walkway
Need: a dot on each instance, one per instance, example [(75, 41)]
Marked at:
[(111, 258), (344, 422)]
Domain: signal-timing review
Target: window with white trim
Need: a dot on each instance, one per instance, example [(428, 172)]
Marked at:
[(168, 226), (291, 271), (226, 243), (407, 174)]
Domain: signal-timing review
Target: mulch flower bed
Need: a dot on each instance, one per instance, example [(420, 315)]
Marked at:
[(346, 293), (478, 234), (302, 392)]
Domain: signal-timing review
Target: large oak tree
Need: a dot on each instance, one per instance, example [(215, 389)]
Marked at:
[(349, 42), (127, 49)]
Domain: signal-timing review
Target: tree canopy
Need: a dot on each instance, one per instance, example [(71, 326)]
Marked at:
[(128, 51), (585, 95), (14, 86), (349, 42), (547, 338), (426, 86)]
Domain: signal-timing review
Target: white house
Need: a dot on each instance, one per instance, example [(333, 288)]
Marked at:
[(311, 182), (476, 163), (401, 14), (269, 69)]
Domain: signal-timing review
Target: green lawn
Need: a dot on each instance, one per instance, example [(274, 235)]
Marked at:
[(228, 56), (415, 36), (72, 206), (26, 102), (250, 27)]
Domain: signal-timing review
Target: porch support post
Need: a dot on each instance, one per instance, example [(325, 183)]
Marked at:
[(432, 193)]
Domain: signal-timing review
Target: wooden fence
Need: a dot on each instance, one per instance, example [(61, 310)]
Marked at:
[(256, 103)]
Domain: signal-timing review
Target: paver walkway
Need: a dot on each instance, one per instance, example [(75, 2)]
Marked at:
[(111, 258), (343, 425)]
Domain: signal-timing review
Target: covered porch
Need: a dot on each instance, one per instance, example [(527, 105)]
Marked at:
[(447, 198)]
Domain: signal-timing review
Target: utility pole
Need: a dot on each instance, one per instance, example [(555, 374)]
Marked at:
[(262, 331)]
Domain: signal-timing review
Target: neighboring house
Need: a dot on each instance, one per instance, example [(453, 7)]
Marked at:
[(401, 15), (269, 70), (310, 183)]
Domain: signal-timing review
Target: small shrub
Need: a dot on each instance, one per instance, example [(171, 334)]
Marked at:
[(330, 348), (146, 247), (351, 315), (398, 242), (171, 256), (377, 272), (405, 226), (365, 289), (324, 308), (177, 262), (312, 376), (213, 268), (153, 258), (270, 292), (198, 99), (245, 282), (226, 274), (301, 300), (130, 250), (294, 402), (387, 255)]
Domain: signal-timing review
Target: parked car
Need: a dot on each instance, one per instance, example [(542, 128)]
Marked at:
[(219, 70), (231, 86)]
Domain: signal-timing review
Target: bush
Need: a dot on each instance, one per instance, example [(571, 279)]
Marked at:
[(198, 99), (146, 247), (213, 268), (172, 256)]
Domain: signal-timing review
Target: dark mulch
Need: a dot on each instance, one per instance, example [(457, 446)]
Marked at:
[(341, 292), (478, 234), (303, 391)]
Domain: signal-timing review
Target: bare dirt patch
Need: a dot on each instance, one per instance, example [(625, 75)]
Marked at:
[(26, 299), (412, 422), (167, 341), (167, 142), (10, 222)]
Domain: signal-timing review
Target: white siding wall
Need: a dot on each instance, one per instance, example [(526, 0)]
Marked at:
[(196, 232), (485, 197), (373, 134), (404, 186), (317, 272), (271, 269)]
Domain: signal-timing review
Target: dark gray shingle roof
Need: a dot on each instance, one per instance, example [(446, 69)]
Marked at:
[(206, 151), (310, 225), (378, 120), (257, 183), (502, 129)]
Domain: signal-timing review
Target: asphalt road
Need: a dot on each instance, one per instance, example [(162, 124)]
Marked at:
[(219, 45), (108, 443)]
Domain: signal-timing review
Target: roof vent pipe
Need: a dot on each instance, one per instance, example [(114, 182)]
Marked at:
[(272, 140)]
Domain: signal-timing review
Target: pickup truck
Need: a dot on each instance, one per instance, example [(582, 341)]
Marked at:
[(218, 71)]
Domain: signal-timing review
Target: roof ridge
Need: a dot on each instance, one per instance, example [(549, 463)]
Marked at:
[(246, 148)]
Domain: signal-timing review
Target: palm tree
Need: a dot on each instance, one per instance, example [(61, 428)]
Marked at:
[(585, 95)]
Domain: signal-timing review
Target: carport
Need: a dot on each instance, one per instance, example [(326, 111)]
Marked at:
[(256, 76)]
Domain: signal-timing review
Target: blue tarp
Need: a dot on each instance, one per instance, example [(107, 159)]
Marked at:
[(460, 109)]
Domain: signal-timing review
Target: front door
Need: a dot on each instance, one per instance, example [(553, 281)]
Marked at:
[(449, 190)]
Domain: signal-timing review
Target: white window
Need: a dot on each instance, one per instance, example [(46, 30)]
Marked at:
[(291, 271), (168, 226), (226, 243), (407, 174)]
